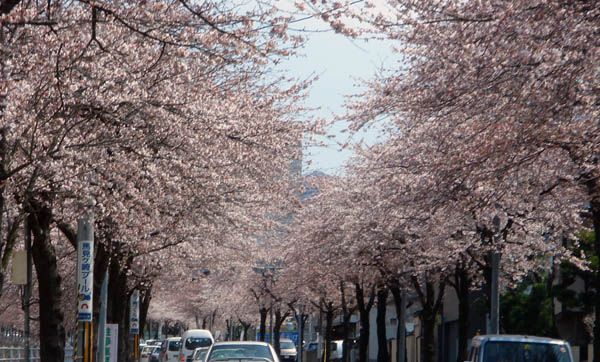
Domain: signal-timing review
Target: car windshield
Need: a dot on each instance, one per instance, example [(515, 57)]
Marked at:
[(195, 342), (240, 352), (287, 345), (501, 351), (174, 345)]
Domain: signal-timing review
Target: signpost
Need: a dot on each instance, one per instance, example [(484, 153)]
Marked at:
[(85, 285), (134, 322), (111, 343)]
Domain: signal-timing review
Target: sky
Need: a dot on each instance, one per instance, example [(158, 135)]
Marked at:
[(341, 64)]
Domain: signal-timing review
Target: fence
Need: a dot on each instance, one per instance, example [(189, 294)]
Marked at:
[(14, 354)]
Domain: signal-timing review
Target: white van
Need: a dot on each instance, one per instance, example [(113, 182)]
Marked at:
[(192, 339), (169, 351), (500, 348)]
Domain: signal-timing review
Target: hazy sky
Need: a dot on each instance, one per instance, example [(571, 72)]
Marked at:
[(340, 63)]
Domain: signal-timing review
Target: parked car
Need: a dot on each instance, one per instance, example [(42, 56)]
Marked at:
[(192, 339), (200, 354), (287, 350), (236, 351), (169, 351), (516, 348), (145, 353), (155, 354)]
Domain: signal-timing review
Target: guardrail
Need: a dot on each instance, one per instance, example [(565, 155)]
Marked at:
[(17, 354)]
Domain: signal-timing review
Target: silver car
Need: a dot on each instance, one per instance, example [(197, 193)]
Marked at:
[(517, 348), (242, 352), (287, 351)]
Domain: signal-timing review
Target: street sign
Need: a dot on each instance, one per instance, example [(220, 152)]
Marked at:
[(85, 280), (134, 312), (111, 343), (19, 267)]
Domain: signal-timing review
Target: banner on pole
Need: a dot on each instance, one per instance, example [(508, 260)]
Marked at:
[(85, 279), (134, 312), (111, 346)]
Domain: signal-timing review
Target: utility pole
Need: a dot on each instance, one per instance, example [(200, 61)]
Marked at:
[(495, 282), (85, 285), (27, 292), (134, 322), (102, 322), (495, 302)]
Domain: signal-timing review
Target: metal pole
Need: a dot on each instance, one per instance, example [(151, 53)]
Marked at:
[(27, 292), (102, 319), (495, 302)]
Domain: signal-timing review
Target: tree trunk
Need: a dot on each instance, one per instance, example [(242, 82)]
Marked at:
[(328, 331), (399, 306), (382, 351), (431, 305), (363, 310), (52, 331), (263, 323), (462, 284), (427, 339), (595, 211), (245, 328), (346, 316), (145, 297), (101, 260), (118, 303), (276, 332)]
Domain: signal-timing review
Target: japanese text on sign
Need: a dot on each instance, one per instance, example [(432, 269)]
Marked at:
[(85, 280)]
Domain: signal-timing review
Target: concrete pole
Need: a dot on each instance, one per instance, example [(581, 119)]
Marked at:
[(27, 292), (495, 302), (85, 232), (102, 318)]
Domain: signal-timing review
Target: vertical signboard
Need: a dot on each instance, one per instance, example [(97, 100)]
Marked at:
[(111, 338), (85, 279), (134, 312)]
